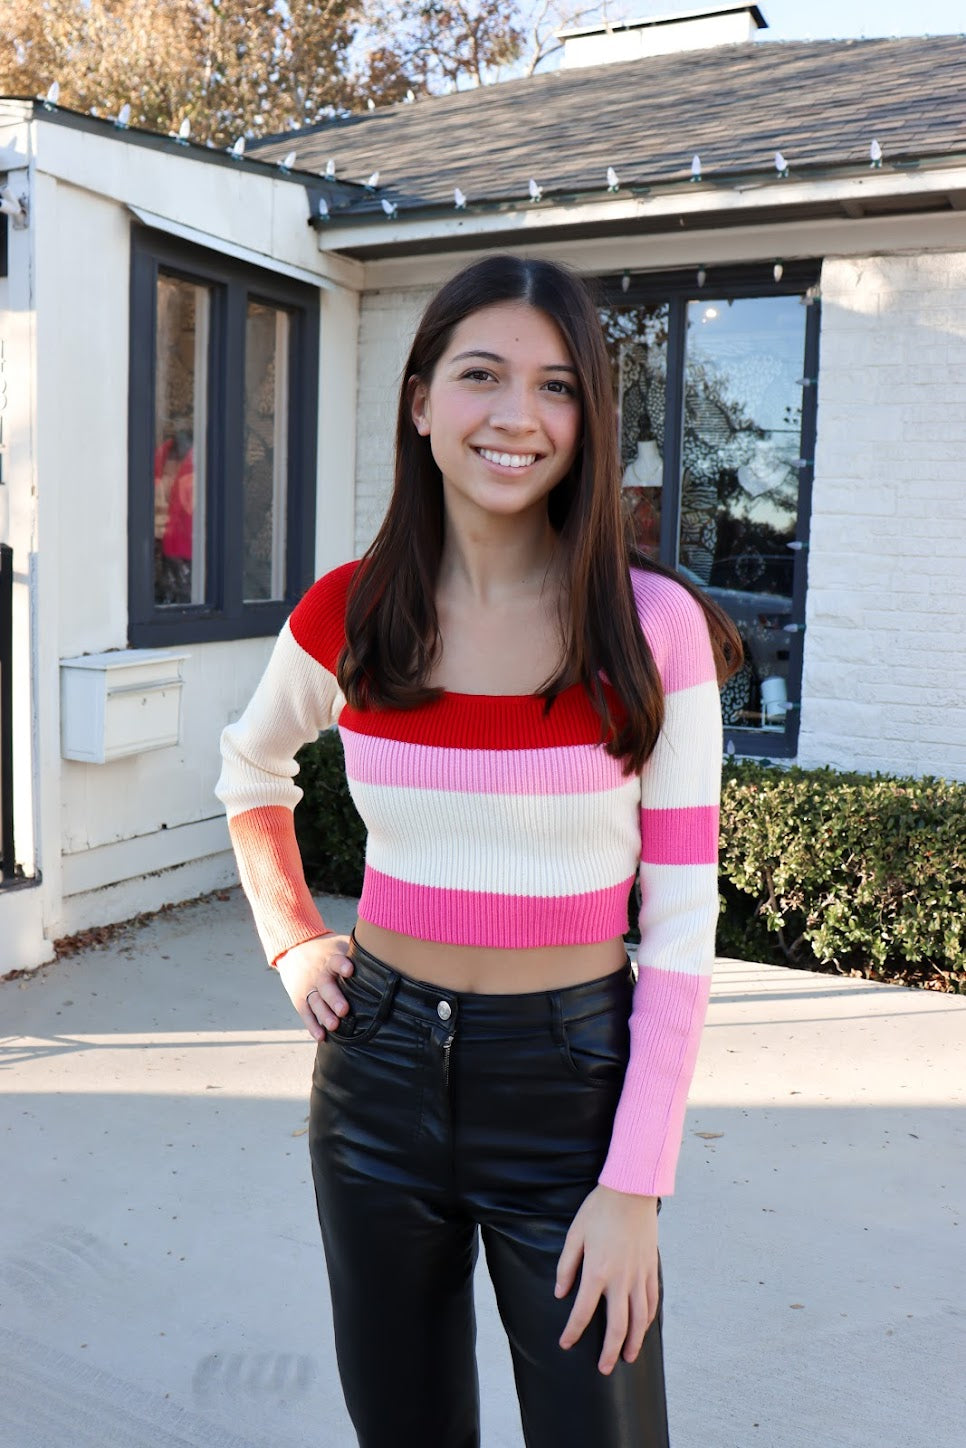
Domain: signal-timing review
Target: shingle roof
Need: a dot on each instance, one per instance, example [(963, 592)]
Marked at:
[(819, 102)]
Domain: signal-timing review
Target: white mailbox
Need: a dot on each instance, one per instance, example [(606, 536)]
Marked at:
[(116, 704)]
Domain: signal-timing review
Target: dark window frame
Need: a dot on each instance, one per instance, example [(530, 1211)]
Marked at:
[(224, 615), (677, 289)]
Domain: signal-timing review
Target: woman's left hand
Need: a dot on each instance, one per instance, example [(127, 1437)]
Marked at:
[(613, 1242)]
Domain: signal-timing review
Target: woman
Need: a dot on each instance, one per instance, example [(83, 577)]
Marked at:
[(526, 720)]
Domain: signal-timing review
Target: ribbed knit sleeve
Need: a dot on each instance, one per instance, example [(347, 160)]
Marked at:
[(680, 791), (298, 696)]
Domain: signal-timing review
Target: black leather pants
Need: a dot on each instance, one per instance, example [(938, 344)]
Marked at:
[(435, 1115)]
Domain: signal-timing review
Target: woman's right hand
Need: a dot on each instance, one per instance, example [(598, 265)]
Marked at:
[(311, 973)]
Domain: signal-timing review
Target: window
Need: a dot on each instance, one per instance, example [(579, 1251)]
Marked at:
[(716, 390), (223, 406)]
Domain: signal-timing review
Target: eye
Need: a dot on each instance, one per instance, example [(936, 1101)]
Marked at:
[(476, 374), (560, 388)]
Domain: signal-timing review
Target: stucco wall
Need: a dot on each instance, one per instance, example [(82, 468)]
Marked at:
[(885, 649), (114, 839)]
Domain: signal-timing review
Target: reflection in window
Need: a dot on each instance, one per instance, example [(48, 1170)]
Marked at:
[(180, 432), (739, 482), (637, 344), (710, 397), (266, 451)]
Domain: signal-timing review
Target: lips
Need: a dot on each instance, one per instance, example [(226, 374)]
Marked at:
[(506, 459)]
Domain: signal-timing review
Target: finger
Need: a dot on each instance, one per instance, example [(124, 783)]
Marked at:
[(331, 997), (616, 1334), (640, 1319), (311, 1022), (580, 1314), (567, 1264), (321, 1012)]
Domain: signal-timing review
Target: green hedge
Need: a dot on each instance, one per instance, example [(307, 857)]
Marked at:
[(331, 836), (854, 873), (851, 873)]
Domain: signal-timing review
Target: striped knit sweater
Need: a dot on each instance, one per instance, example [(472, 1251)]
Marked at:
[(493, 823)]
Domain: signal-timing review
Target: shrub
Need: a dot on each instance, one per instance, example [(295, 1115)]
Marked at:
[(851, 873), (858, 874), (331, 836)]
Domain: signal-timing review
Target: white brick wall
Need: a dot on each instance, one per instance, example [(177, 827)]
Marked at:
[(885, 646), (388, 321)]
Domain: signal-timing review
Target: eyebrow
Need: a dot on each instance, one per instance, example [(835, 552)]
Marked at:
[(495, 357)]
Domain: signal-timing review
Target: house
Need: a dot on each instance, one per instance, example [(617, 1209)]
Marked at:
[(200, 362)]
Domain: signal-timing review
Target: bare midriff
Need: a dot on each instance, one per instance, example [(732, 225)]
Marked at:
[(485, 971)]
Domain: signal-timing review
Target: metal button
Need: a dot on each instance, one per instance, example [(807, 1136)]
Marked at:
[(444, 1010)]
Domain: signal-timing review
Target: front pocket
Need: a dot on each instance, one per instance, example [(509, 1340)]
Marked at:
[(596, 1048), (369, 1006)]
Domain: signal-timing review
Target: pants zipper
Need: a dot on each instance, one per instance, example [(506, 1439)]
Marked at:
[(447, 1044)]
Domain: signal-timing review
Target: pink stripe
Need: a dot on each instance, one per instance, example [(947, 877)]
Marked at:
[(666, 1020), (506, 922), (686, 836), (675, 627), (572, 769)]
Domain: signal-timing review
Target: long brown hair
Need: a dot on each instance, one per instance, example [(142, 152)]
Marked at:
[(392, 630)]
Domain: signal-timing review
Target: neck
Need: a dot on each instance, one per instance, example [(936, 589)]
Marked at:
[(494, 558)]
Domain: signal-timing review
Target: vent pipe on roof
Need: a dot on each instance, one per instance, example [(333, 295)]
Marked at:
[(616, 40)]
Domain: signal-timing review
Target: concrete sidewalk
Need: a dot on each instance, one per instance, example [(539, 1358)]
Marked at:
[(162, 1283)]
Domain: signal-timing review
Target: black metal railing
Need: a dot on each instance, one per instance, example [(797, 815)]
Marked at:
[(6, 712)]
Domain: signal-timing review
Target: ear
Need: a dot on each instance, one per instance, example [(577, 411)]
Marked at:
[(419, 405)]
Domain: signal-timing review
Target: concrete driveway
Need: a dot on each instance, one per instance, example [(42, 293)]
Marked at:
[(162, 1283)]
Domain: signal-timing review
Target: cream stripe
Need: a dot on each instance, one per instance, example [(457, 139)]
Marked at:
[(685, 767), (542, 845), (679, 917), (295, 700)]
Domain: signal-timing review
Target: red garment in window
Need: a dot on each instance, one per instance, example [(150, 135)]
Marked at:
[(177, 536)]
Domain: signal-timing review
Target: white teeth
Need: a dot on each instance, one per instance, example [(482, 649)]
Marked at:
[(509, 460)]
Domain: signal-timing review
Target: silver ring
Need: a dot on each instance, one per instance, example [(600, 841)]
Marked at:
[(314, 991)]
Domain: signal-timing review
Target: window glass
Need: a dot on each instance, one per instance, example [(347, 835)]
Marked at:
[(180, 447), (637, 345), (739, 482), (266, 451)]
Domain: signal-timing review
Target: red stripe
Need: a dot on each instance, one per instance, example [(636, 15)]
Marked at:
[(318, 621), (486, 721)]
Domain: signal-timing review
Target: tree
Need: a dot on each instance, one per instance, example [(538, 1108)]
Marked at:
[(436, 48), (254, 67), (231, 66)]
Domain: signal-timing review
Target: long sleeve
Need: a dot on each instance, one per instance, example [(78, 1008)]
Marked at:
[(680, 793), (297, 697)]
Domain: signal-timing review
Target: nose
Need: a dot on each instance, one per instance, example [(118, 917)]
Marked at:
[(513, 410)]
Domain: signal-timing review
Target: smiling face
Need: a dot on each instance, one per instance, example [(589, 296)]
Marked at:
[(502, 411)]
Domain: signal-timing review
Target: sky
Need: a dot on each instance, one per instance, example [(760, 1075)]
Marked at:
[(830, 19)]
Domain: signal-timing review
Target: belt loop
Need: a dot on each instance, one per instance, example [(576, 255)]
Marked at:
[(556, 1019)]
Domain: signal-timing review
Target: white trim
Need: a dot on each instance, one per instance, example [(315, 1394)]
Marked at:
[(125, 899), (705, 199), (125, 859), (231, 248), (335, 509), (22, 928), (668, 251)]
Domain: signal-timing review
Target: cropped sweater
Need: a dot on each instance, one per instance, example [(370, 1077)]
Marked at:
[(494, 822)]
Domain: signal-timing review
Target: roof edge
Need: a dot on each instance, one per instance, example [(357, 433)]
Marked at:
[(676, 206), (607, 27)]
